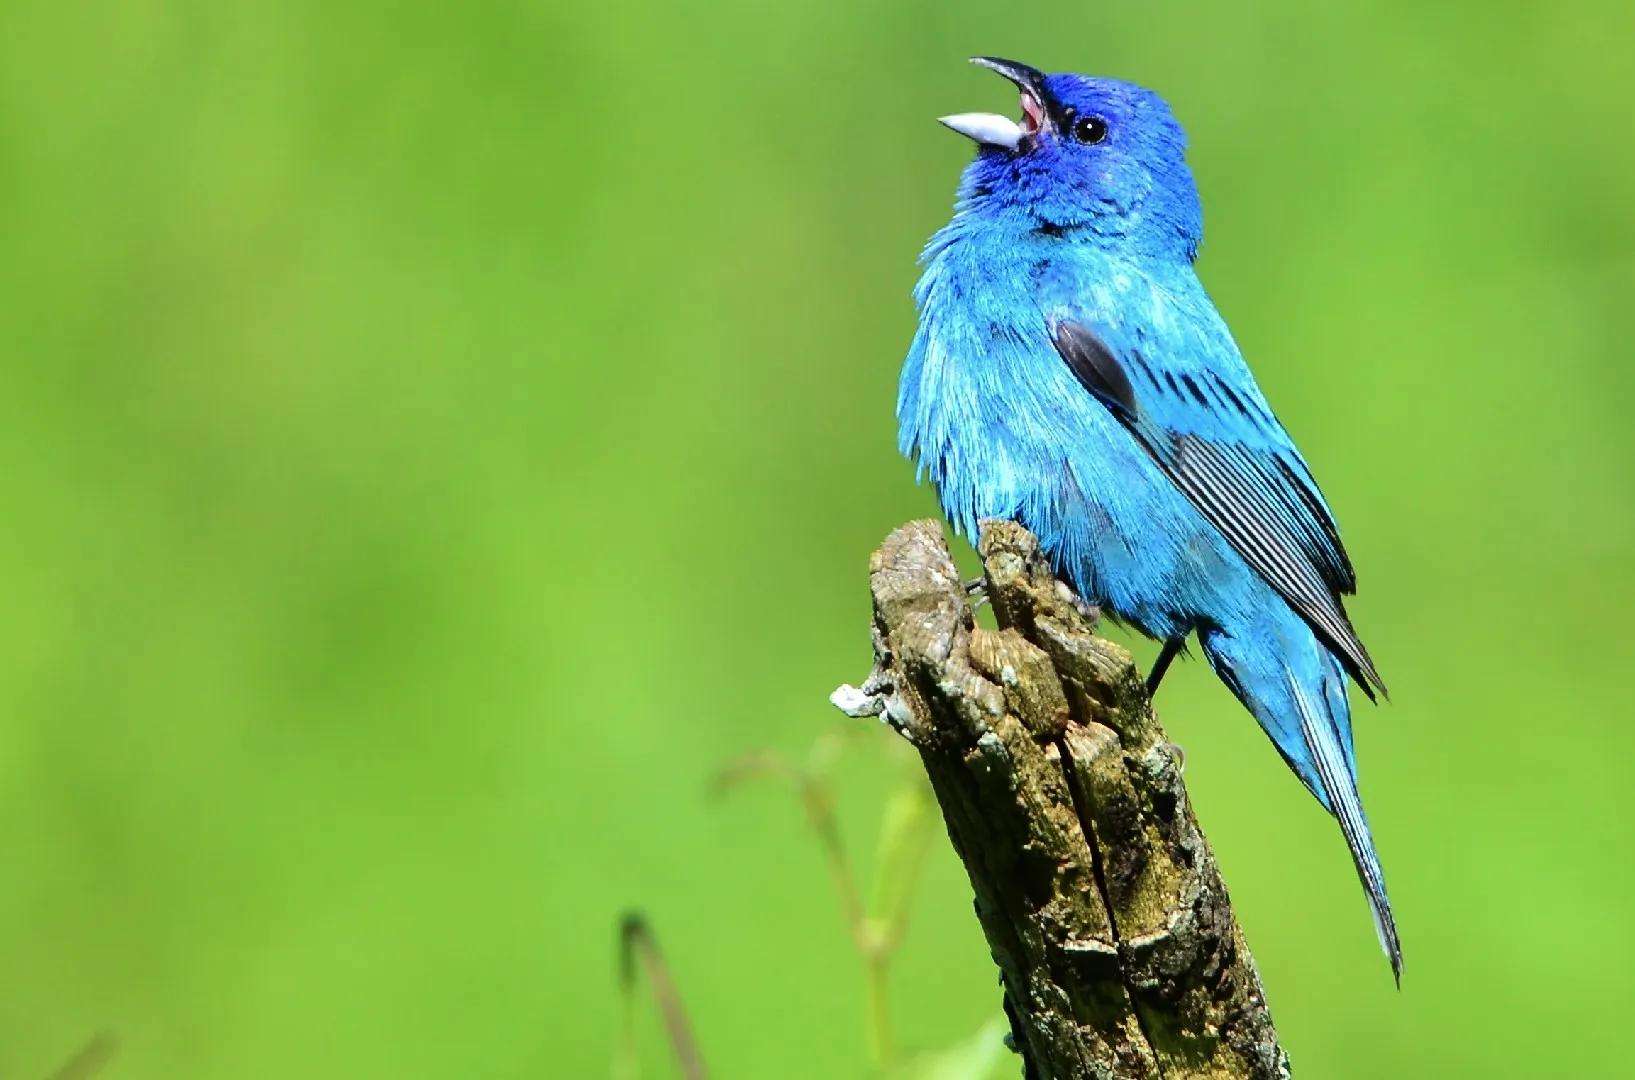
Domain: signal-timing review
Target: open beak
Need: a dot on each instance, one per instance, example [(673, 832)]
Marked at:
[(990, 129)]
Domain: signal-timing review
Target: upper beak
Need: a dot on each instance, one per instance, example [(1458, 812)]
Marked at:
[(990, 129)]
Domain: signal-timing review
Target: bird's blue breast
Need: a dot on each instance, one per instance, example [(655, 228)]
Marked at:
[(992, 414)]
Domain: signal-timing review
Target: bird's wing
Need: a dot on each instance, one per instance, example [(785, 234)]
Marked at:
[(1181, 388)]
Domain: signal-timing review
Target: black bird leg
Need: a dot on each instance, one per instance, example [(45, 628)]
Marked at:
[(1172, 648)]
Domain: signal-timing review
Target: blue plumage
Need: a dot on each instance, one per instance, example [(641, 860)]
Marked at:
[(1070, 373)]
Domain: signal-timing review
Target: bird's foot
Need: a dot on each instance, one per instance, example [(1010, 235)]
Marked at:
[(1089, 612)]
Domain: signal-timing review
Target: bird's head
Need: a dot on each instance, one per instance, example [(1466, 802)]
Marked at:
[(1094, 155)]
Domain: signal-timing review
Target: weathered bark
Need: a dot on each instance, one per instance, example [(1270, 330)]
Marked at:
[(1101, 902)]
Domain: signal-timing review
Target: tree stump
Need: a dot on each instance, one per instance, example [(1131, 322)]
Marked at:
[(1101, 902)]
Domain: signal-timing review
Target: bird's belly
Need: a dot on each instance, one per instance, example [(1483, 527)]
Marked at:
[(1116, 528)]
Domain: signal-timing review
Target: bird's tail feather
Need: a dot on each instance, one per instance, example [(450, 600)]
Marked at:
[(1297, 693), (1318, 729)]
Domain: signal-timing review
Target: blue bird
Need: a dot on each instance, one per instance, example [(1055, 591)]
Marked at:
[(1070, 373)]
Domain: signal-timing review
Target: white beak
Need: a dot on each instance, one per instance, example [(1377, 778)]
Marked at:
[(986, 128)]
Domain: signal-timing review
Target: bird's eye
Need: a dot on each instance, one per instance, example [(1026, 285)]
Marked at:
[(1090, 130)]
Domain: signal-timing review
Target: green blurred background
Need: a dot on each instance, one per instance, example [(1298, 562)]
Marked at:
[(438, 437)]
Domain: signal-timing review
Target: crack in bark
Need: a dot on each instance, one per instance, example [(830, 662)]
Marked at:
[(1080, 808)]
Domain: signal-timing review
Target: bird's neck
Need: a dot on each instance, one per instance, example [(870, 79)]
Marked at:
[(1023, 234), (1017, 206)]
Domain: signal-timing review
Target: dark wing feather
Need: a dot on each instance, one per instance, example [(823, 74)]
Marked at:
[(1256, 491)]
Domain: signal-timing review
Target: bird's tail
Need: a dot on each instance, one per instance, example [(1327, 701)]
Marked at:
[(1296, 689)]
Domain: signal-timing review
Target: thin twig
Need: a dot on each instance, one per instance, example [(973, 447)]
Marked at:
[(89, 1059), (639, 954)]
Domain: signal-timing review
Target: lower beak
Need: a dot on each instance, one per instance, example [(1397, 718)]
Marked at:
[(991, 130), (988, 129)]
